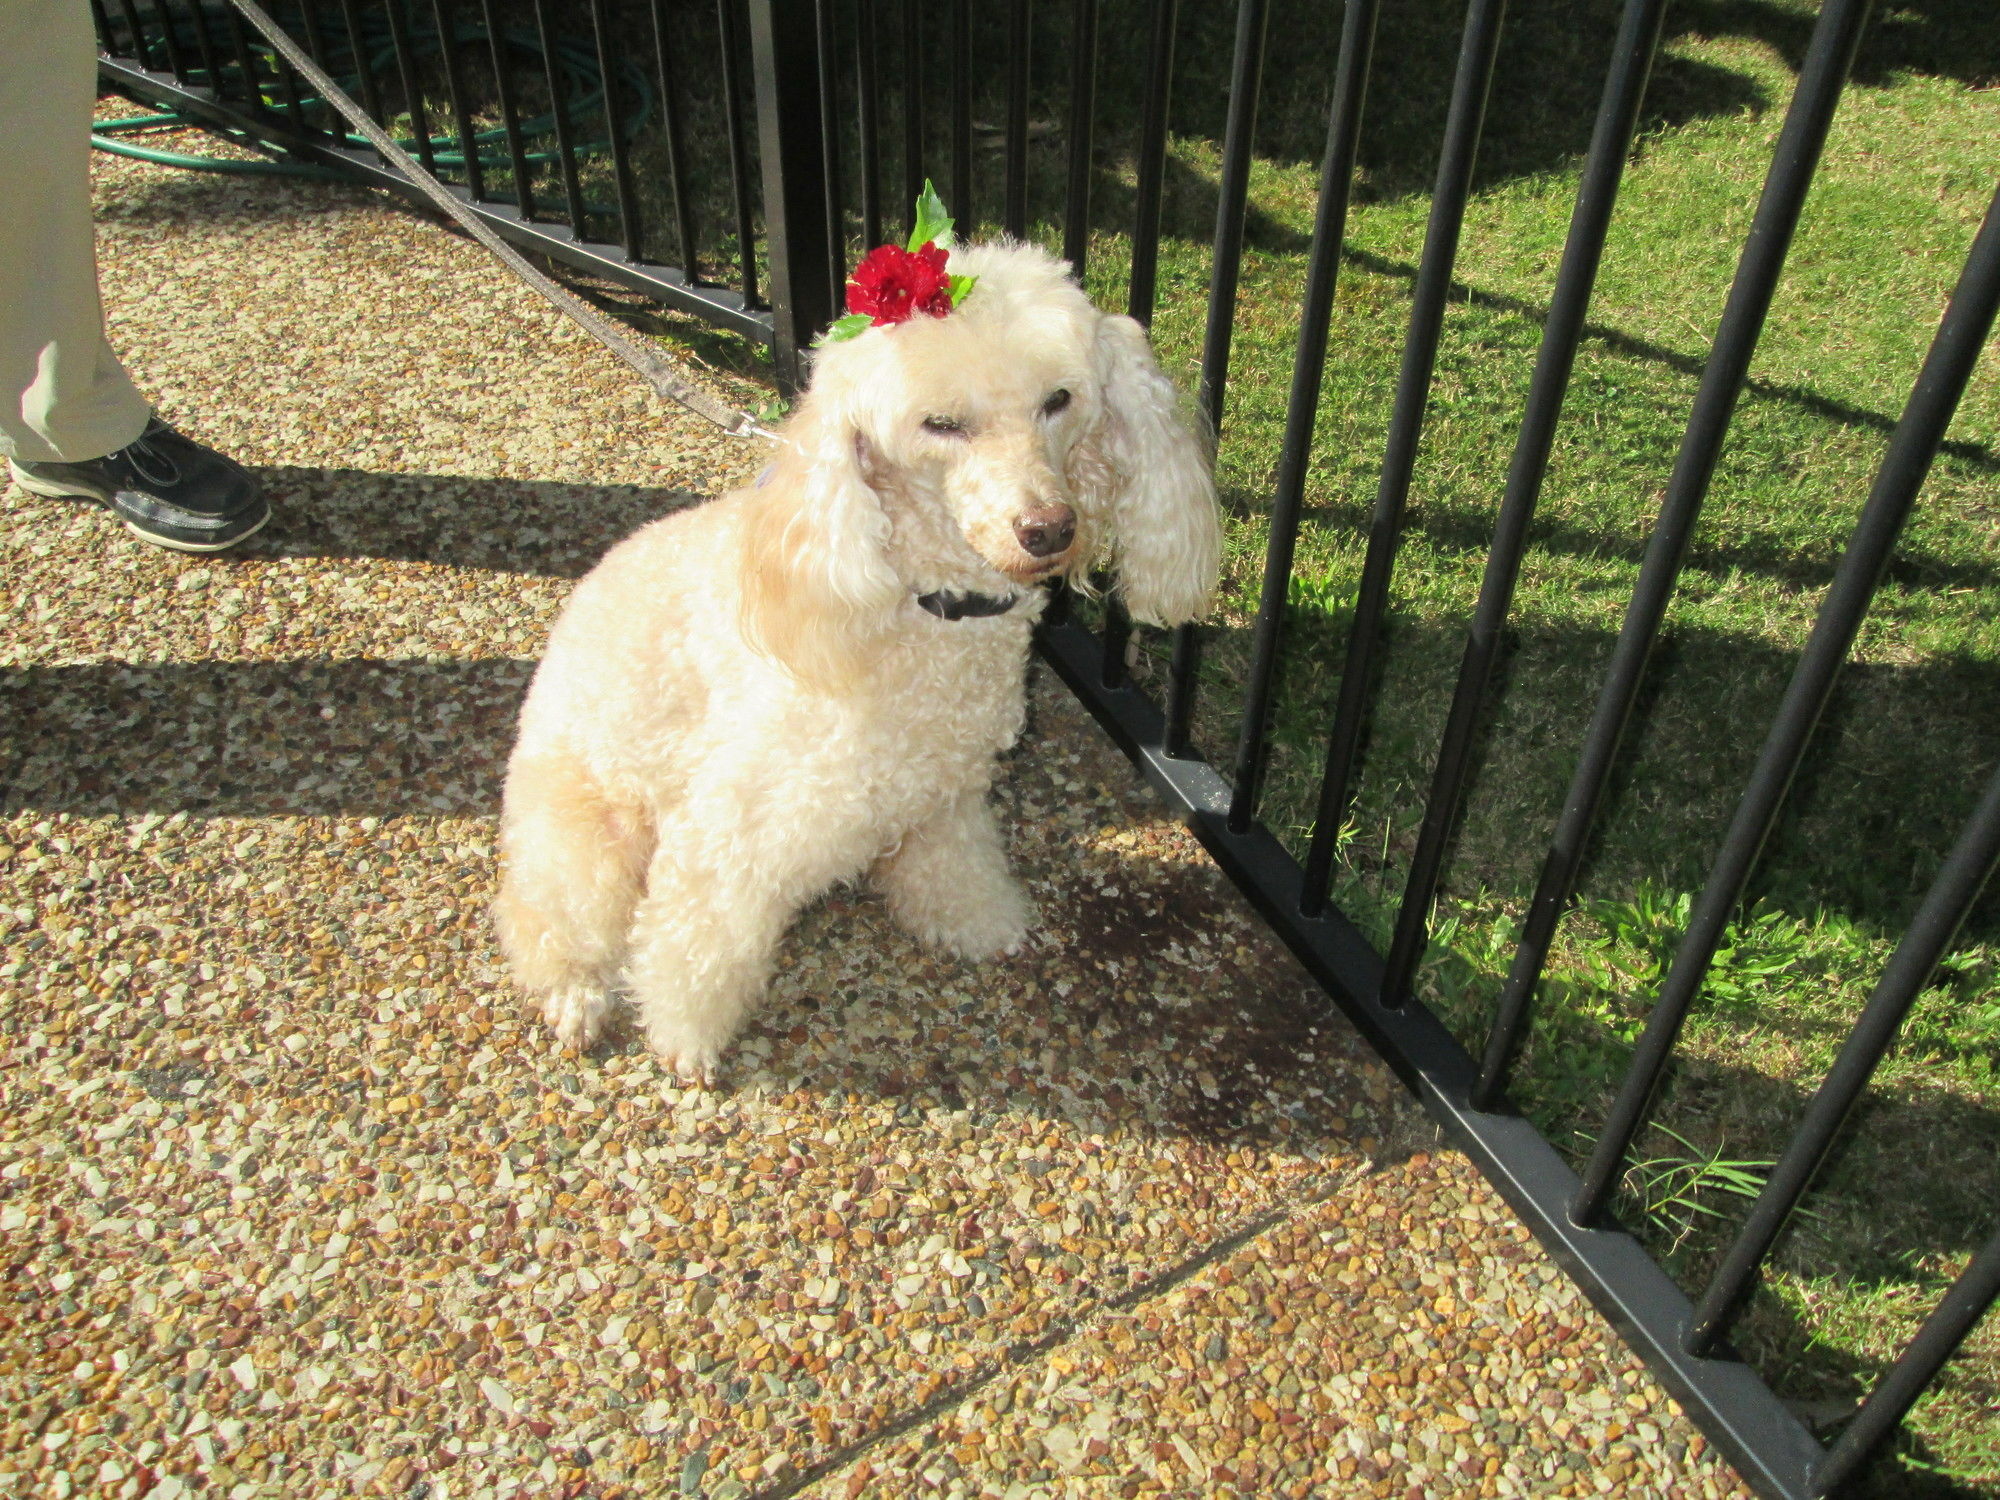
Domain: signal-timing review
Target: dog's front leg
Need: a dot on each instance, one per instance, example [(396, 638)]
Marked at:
[(701, 956), (948, 882), (572, 861)]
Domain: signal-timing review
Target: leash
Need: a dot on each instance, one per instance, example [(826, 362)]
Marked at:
[(648, 362)]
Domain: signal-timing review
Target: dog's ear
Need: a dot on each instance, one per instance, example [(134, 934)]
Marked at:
[(816, 580), (1162, 493)]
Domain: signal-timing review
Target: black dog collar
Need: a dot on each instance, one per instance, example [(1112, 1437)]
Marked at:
[(947, 604)]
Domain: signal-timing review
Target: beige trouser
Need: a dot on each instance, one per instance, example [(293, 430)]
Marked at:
[(63, 394)]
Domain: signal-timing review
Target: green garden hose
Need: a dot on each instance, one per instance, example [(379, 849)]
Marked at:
[(104, 136)]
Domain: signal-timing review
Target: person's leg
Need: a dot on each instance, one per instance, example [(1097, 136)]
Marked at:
[(64, 397), (72, 424)]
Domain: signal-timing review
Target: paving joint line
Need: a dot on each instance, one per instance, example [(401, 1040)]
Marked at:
[(1066, 1329)]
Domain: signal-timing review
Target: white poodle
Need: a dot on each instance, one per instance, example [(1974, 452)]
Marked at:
[(809, 679)]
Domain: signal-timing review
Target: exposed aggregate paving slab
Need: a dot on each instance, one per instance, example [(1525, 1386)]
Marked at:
[(1400, 1337), (294, 1201)]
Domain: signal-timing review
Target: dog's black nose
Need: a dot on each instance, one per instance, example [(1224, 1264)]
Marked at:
[(1046, 530)]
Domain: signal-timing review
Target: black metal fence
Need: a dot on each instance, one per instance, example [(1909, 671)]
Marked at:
[(619, 137), (615, 137)]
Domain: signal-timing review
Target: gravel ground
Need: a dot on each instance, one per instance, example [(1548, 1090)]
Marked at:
[(294, 1201)]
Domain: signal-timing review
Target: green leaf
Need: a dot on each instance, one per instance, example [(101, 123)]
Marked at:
[(961, 286), (933, 224), (842, 329)]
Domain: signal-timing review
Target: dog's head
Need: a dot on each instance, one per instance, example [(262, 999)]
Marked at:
[(1025, 435)]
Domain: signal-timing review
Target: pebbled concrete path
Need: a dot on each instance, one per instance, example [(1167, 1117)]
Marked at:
[(293, 1202)]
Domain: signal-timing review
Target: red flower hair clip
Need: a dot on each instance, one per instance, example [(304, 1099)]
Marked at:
[(893, 283)]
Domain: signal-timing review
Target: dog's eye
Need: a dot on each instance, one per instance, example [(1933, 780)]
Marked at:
[(1057, 402), (949, 426)]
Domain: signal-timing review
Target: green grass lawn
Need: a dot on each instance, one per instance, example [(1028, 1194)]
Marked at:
[(1897, 765), (1911, 736)]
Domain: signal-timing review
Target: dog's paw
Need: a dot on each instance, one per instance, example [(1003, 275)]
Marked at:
[(693, 1060), (692, 1069), (577, 1014), (691, 1075), (994, 929)]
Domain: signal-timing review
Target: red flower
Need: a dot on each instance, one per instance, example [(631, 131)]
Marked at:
[(892, 284)]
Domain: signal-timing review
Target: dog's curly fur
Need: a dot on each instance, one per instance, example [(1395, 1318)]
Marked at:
[(744, 704)]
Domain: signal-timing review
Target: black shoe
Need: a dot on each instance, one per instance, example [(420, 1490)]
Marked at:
[(165, 487)]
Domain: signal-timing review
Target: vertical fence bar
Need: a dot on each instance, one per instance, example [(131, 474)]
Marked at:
[(1964, 874), (239, 43), (1246, 74), (1181, 668), (287, 80), (364, 71), (913, 109), (614, 129), (1117, 638), (1943, 1331), (177, 60), (1828, 58), (1617, 117), (406, 69), (1014, 200), (1082, 118), (510, 114), (829, 128), (672, 130), (444, 17), (315, 37), (1145, 262), (204, 43), (100, 22), (963, 206), (1477, 49), (130, 12), (1336, 183), (1152, 164), (316, 48), (868, 111), (785, 65), (170, 40), (559, 109), (734, 90)]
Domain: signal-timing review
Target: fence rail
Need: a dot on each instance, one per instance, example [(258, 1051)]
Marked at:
[(851, 95)]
